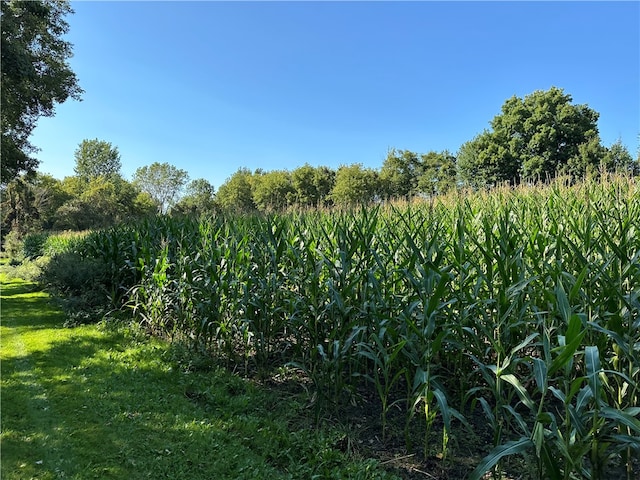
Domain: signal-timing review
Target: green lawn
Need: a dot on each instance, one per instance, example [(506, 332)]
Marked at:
[(104, 402)]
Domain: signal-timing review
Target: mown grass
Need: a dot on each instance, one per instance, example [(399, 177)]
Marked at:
[(98, 401)]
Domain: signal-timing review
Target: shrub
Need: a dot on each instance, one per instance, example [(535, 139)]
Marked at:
[(13, 245), (80, 282)]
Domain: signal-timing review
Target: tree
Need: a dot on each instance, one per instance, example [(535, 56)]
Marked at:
[(532, 138), (312, 186), (19, 213), (199, 199), (35, 76), (324, 179), (273, 191), (30, 202), (163, 182), (399, 174), (588, 160), (304, 187), (437, 173), (96, 158), (484, 162), (618, 159), (236, 193), (102, 203), (49, 195), (355, 185)]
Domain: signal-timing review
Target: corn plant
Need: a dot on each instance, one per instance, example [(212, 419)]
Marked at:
[(524, 302)]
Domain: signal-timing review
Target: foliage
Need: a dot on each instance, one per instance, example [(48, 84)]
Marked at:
[(103, 202), (437, 173), (29, 203), (312, 185), (236, 193), (199, 199), (35, 76), (33, 245), (70, 274), (163, 182), (13, 245), (355, 185), (618, 159), (49, 195), (533, 138), (400, 173), (272, 191), (19, 212), (97, 158)]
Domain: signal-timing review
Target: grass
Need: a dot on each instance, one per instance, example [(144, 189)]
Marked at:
[(98, 401)]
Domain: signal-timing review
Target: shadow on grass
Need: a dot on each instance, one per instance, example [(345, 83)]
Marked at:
[(91, 402), (25, 305), (95, 409)]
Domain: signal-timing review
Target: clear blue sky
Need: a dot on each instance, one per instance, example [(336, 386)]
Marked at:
[(210, 87)]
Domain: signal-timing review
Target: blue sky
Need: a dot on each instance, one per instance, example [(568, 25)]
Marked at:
[(214, 86)]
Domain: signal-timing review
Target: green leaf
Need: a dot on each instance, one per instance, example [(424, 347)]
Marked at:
[(592, 362), (441, 399), (622, 417), (522, 392), (563, 302), (540, 374), (510, 448), (566, 354)]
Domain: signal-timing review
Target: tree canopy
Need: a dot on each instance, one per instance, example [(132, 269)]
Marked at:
[(273, 190), (35, 76), (533, 138), (97, 158), (199, 199), (355, 185), (236, 193), (163, 182), (399, 174)]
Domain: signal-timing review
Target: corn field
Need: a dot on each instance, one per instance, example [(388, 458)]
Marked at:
[(522, 305)]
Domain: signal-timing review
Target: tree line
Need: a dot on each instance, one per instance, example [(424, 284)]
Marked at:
[(534, 138)]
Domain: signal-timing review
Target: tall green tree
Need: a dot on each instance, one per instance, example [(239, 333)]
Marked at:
[(30, 202), (437, 173), (588, 160), (97, 158), (236, 193), (399, 174), (19, 212), (35, 76), (273, 191), (49, 195), (324, 180), (302, 181), (355, 185), (619, 160), (534, 137), (163, 182), (312, 185), (484, 161), (103, 202), (199, 199)]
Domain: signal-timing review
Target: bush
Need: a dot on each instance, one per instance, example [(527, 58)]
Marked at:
[(13, 245), (80, 282)]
